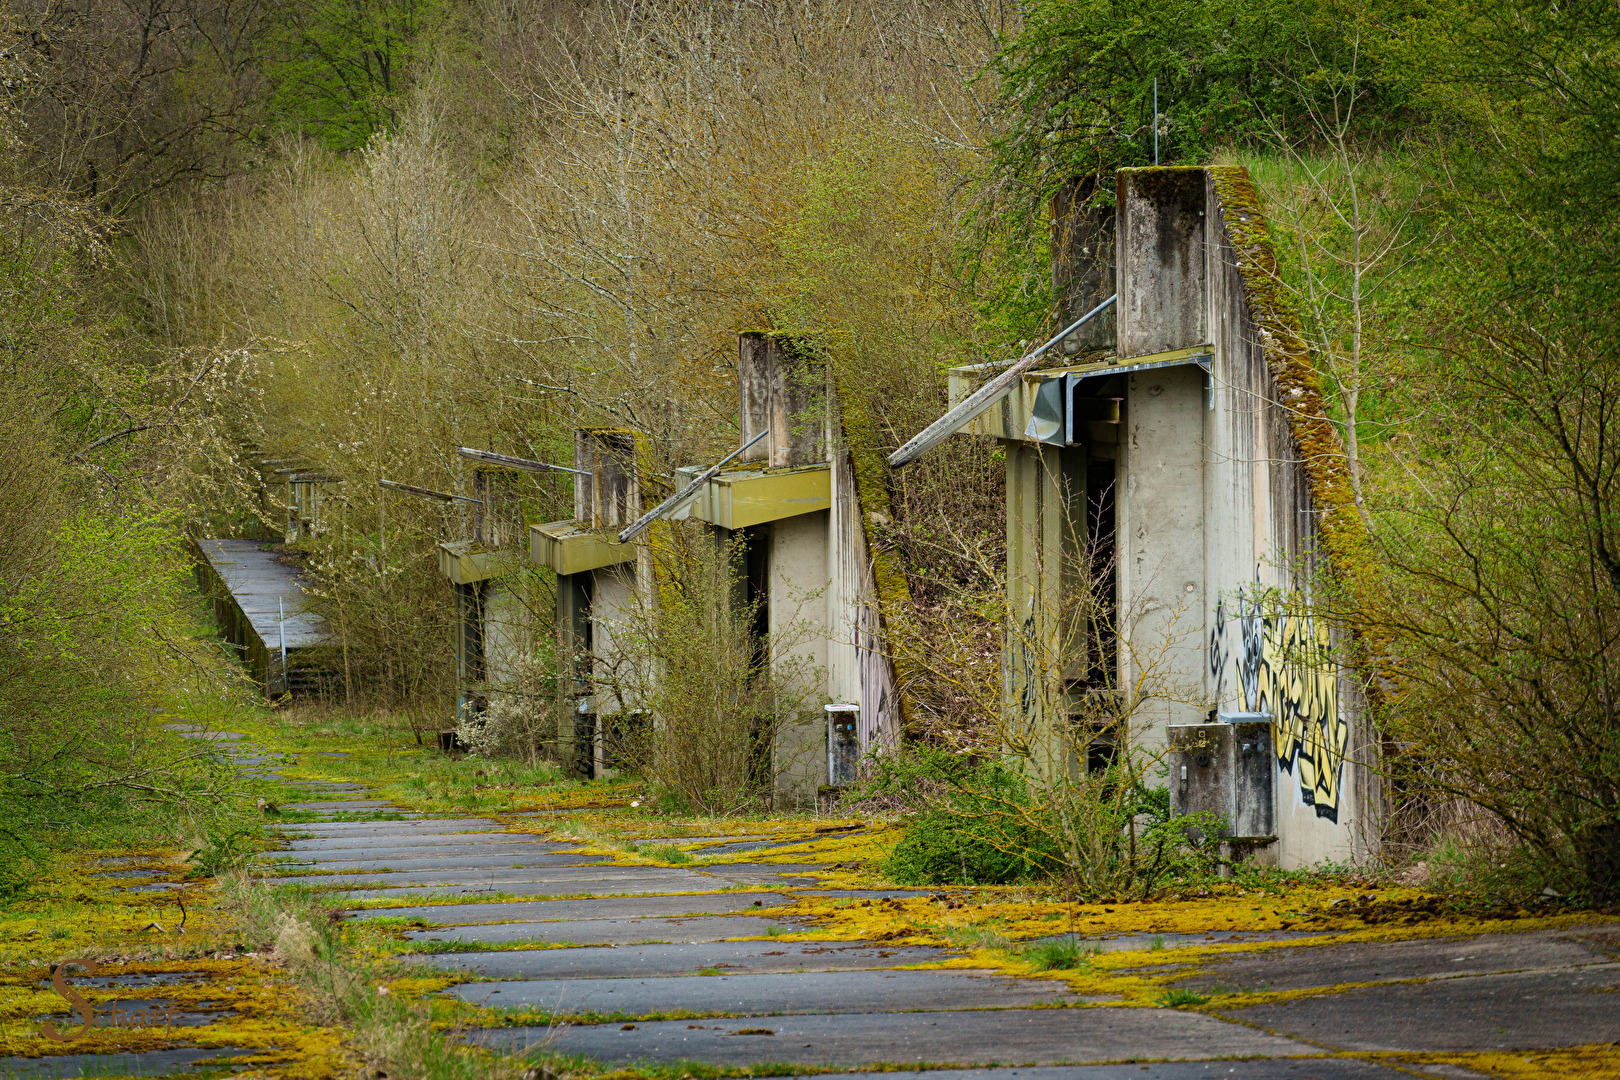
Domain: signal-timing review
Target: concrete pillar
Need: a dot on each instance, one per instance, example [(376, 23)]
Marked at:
[(469, 648), (799, 573), (1045, 648), (1162, 265), (782, 386), (572, 632), (1083, 263)]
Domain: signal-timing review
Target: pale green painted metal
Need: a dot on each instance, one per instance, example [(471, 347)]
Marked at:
[(572, 547)]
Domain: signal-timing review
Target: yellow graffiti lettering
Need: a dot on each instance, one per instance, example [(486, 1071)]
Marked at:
[(1286, 668)]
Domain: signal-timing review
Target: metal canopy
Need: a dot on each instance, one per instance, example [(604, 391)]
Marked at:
[(984, 397), (1200, 355), (1052, 416)]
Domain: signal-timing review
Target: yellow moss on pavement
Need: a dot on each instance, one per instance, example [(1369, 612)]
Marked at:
[(1596, 1062), (248, 1001)]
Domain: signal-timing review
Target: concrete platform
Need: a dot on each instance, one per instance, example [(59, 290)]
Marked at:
[(765, 995), (625, 886), (1522, 1010), (150, 1063), (981, 1037), (584, 879), (264, 588), (609, 908), (610, 931), (434, 858), (1378, 961), (1265, 1069), (729, 957)]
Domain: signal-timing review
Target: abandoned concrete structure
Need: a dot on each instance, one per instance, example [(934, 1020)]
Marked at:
[(494, 624), (1173, 488), (790, 500), (258, 604), (598, 580), (794, 500)]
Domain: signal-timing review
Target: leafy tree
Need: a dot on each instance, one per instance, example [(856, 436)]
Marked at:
[(1078, 84), (1501, 612), (340, 68)]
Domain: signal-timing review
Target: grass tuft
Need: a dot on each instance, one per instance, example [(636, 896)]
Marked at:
[(1064, 954), (1180, 999)]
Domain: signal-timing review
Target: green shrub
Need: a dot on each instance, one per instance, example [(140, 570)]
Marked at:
[(982, 823), (941, 847), (225, 850), (19, 864), (972, 833), (1063, 954), (1180, 999)]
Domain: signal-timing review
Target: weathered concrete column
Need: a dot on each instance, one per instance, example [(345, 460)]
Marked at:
[(1082, 263), (1046, 499)]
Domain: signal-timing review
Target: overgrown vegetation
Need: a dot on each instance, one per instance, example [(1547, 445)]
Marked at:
[(735, 709), (356, 238)]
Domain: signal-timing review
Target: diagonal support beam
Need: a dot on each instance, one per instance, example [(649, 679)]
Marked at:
[(422, 492), (515, 462), (985, 396), (639, 526)]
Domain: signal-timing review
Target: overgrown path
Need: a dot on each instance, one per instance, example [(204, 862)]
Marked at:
[(568, 954), (727, 953)]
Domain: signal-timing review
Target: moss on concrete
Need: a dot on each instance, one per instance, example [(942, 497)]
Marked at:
[(1340, 527)]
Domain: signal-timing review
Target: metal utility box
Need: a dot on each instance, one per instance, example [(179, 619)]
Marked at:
[(843, 744), (1226, 768)]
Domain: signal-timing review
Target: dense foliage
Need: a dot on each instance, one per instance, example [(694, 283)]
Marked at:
[(358, 235)]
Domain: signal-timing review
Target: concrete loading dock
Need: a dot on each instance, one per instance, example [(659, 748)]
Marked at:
[(259, 606), (1167, 457)]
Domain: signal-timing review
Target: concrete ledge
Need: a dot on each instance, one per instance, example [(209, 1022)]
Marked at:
[(572, 547), (739, 498), (465, 562)]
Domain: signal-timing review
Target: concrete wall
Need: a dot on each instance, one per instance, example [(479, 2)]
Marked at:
[(784, 389), (1083, 264), (1215, 518), (1161, 525), (1262, 655), (800, 627), (613, 600), (858, 667), (1161, 260), (508, 630)]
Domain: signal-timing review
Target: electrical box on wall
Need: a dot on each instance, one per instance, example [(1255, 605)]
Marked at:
[(1226, 768), (843, 743)]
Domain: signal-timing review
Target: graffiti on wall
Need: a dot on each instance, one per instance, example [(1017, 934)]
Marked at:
[(1284, 666)]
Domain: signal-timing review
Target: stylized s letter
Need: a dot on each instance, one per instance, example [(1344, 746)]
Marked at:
[(60, 984)]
